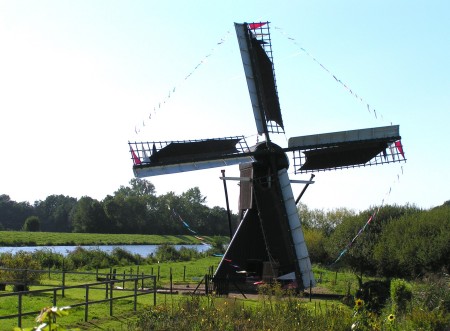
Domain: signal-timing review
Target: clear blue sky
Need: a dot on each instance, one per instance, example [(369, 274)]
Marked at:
[(79, 78)]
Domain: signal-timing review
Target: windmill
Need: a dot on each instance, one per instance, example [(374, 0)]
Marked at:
[(269, 241)]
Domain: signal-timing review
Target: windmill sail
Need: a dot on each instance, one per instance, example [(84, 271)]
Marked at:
[(260, 76), (337, 150), (169, 157)]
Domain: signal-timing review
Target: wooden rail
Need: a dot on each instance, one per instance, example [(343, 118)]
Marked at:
[(110, 297)]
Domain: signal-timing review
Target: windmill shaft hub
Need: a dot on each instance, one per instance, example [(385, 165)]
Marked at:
[(267, 153)]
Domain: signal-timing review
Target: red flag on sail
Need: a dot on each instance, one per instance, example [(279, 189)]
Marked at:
[(254, 26), (136, 159), (398, 144)]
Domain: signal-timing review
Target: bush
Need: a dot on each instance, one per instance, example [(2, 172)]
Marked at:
[(32, 224), (124, 257), (49, 259), (24, 267), (401, 295), (89, 259), (218, 245)]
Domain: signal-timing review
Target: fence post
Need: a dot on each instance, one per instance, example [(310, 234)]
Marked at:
[(86, 306), (152, 271), (106, 287), (310, 290), (142, 281), (159, 269), (63, 282), (137, 271), (111, 298), (154, 291), (123, 283), (54, 298), (19, 310), (184, 273), (170, 277), (135, 293)]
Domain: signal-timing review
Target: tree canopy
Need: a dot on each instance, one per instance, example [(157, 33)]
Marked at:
[(400, 241), (131, 209)]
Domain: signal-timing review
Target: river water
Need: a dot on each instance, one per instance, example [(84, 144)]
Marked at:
[(142, 250)]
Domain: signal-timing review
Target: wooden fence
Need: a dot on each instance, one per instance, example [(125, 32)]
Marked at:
[(112, 293)]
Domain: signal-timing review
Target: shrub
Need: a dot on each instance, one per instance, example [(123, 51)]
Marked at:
[(218, 245), (124, 257), (49, 259), (23, 268), (32, 224), (89, 259), (401, 295)]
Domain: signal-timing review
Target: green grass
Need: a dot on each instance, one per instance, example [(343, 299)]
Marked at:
[(187, 312), (340, 282), (99, 313), (21, 238)]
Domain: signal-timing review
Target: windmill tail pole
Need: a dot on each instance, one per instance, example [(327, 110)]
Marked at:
[(228, 205), (303, 191)]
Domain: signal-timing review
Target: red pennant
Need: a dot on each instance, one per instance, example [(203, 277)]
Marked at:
[(398, 144), (136, 160), (254, 26)]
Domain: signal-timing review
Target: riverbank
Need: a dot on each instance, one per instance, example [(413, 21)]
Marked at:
[(21, 238)]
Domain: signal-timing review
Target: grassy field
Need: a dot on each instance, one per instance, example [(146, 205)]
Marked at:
[(189, 272), (268, 310), (21, 238), (271, 309), (183, 273)]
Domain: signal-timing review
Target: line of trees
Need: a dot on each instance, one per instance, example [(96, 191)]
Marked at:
[(131, 209), (401, 241)]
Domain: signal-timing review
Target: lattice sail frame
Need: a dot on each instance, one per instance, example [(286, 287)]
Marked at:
[(168, 157), (347, 149), (145, 149), (256, 52), (262, 34), (390, 155)]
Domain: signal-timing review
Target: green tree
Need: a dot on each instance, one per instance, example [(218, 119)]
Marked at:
[(32, 224), (315, 241), (54, 212), (415, 244), (138, 187), (13, 213), (131, 209), (88, 216), (360, 256), (325, 221)]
